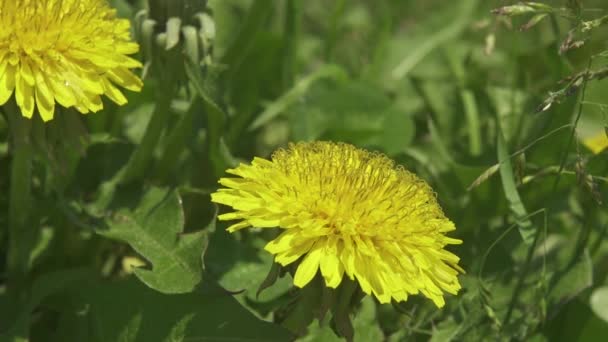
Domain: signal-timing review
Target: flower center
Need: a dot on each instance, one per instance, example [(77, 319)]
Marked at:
[(349, 191)]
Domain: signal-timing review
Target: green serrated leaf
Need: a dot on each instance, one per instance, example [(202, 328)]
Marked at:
[(280, 105), (366, 323), (155, 230), (244, 266), (271, 278)]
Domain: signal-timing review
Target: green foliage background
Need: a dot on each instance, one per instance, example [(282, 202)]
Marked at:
[(447, 89)]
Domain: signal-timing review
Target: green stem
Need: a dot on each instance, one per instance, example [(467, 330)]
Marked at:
[(292, 20), (341, 310), (301, 315), (520, 281), (140, 159), (564, 158), (21, 232), (337, 13), (472, 119), (176, 141)]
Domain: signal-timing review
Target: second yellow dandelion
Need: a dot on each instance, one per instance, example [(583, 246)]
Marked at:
[(346, 211)]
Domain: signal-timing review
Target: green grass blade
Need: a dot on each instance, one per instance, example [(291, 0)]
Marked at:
[(279, 106), (437, 39), (472, 117), (526, 229)]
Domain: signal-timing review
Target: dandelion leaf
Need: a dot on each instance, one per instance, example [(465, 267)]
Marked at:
[(155, 230)]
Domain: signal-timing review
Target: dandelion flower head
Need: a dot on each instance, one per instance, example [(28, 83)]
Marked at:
[(597, 142), (344, 210), (64, 51)]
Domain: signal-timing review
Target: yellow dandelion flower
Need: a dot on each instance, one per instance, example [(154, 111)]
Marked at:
[(597, 142), (344, 210), (64, 51)]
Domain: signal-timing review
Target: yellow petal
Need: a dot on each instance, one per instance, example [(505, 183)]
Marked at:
[(127, 48), (262, 222), (233, 183), (295, 252), (309, 266), (45, 104), (13, 59), (361, 273), (27, 73), (597, 142), (44, 97), (399, 296), (62, 91), (238, 226), (331, 266), (224, 196), (229, 216), (112, 92), (283, 242), (3, 64), (24, 94), (81, 108), (102, 61), (90, 83), (7, 84), (94, 103), (125, 78), (452, 241), (347, 257)]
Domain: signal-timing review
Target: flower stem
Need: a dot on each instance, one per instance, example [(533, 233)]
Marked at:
[(139, 162), (564, 157), (520, 280), (292, 23), (21, 230), (176, 142)]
